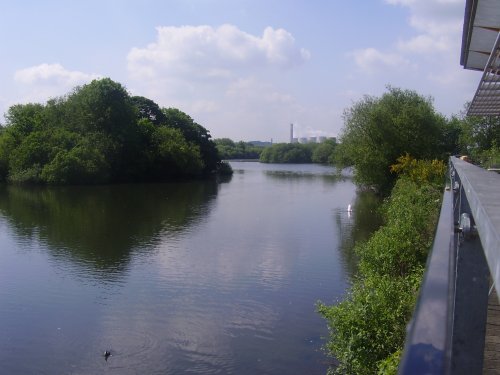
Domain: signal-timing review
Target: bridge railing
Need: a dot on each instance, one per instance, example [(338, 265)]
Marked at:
[(447, 330)]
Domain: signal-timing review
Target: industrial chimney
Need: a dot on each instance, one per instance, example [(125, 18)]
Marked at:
[(291, 133)]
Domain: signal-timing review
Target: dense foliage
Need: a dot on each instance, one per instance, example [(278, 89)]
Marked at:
[(99, 133), (367, 329), (379, 130), (229, 149), (479, 138), (324, 153), (287, 153)]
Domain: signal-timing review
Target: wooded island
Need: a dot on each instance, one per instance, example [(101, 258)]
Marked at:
[(99, 133)]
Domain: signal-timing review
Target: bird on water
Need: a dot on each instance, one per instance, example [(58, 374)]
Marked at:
[(106, 354)]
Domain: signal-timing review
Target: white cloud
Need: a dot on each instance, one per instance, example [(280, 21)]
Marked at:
[(204, 52), (371, 59), (438, 23), (252, 90), (220, 76), (425, 43), (205, 106), (52, 74), (42, 82)]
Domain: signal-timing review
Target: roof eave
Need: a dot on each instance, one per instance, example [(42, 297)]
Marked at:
[(470, 11)]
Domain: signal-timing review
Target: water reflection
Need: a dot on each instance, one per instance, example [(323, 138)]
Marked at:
[(99, 226), (330, 178), (225, 285), (357, 226)]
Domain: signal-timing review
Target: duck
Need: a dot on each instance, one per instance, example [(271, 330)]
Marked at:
[(106, 354)]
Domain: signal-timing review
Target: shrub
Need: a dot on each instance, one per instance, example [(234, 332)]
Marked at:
[(420, 171), (367, 330), (370, 324)]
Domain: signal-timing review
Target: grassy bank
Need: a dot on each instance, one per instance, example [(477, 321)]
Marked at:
[(367, 329)]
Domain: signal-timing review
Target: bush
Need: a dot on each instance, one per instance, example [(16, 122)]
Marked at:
[(367, 330), (370, 324), (224, 169), (420, 171)]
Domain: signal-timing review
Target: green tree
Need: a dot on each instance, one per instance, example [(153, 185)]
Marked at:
[(173, 155), (98, 133), (196, 134), (479, 138), (8, 144), (379, 130), (287, 153), (22, 119), (102, 106), (229, 149), (479, 133), (324, 152), (148, 109), (84, 163)]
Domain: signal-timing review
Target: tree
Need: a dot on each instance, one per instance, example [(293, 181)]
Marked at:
[(98, 133), (101, 106), (379, 130), (173, 155), (194, 133), (287, 153), (229, 149), (22, 119), (148, 109), (323, 153), (479, 138)]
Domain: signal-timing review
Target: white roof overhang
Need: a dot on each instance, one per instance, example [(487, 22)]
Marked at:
[(480, 51), (486, 102)]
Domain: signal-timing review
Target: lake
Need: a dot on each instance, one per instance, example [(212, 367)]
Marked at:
[(212, 277)]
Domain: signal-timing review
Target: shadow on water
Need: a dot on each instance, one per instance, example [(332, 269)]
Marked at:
[(98, 227), (357, 226)]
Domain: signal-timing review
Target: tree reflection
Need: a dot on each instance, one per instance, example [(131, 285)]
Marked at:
[(357, 226), (329, 178), (100, 226)]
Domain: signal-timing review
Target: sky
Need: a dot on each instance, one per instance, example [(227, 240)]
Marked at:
[(243, 69)]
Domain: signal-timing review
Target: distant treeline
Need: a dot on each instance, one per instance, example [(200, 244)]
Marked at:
[(322, 153), (98, 133), (228, 149), (278, 153)]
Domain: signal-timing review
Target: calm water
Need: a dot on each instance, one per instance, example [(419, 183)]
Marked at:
[(185, 278)]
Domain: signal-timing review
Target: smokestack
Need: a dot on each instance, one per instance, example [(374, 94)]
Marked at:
[(291, 133)]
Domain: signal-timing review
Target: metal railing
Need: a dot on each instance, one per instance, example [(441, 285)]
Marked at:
[(447, 330)]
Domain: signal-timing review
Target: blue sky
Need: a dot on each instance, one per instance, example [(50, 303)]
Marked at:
[(242, 69)]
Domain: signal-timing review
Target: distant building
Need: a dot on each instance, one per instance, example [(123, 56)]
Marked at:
[(303, 140), (295, 140), (312, 140), (321, 139)]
